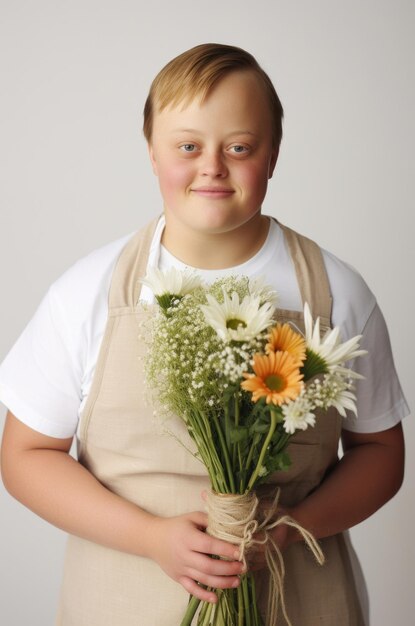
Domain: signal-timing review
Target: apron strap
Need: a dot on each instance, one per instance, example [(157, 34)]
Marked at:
[(311, 274), (130, 267)]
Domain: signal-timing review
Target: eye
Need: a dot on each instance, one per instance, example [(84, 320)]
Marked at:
[(238, 149), (188, 147)]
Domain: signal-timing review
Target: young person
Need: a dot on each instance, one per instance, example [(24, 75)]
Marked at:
[(131, 503)]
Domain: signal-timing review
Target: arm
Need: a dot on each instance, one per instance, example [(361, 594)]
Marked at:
[(368, 475), (38, 471)]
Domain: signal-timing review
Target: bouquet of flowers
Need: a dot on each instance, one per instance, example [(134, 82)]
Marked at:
[(243, 383)]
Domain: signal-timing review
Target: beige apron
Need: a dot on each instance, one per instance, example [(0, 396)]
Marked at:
[(128, 450)]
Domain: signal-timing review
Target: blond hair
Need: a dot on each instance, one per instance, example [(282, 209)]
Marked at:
[(194, 73)]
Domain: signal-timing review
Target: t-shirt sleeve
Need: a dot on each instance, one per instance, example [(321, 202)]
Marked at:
[(47, 375), (40, 381), (380, 400)]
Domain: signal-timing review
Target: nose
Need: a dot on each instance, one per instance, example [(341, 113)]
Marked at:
[(213, 164)]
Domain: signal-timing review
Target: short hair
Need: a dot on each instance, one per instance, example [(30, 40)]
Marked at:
[(195, 72)]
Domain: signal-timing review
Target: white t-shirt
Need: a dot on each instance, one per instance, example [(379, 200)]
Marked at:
[(46, 377)]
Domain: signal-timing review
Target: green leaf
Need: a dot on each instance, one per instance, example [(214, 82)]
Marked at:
[(238, 433), (284, 461), (278, 463), (259, 427)]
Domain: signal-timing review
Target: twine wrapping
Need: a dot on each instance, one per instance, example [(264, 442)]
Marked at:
[(233, 518)]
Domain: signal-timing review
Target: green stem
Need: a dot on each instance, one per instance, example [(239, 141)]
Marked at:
[(282, 442), (228, 606), (241, 607), (190, 611), (207, 614), (202, 615), (208, 452), (247, 601), (238, 445), (225, 453), (237, 414), (273, 424), (257, 617), (227, 427), (255, 440), (229, 446), (248, 462), (219, 617)]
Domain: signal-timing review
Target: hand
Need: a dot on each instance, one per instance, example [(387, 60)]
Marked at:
[(183, 550), (281, 535), (256, 556)]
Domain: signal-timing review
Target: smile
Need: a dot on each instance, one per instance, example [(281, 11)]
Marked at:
[(213, 192)]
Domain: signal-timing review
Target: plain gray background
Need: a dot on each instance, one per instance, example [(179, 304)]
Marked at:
[(74, 175)]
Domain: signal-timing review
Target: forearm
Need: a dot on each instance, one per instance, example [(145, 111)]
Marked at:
[(38, 471), (58, 488), (368, 475)]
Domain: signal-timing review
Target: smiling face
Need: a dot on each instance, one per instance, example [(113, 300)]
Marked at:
[(214, 158)]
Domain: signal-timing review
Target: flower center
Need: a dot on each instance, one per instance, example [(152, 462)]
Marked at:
[(275, 382), (313, 365), (234, 323), (166, 300)]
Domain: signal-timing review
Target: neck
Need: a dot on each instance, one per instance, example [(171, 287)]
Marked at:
[(215, 250)]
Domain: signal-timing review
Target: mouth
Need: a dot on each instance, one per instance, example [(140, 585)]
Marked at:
[(213, 192)]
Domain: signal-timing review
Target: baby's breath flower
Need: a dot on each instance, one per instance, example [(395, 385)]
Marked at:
[(262, 471), (334, 390)]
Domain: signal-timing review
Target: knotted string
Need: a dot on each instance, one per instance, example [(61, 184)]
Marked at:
[(233, 518)]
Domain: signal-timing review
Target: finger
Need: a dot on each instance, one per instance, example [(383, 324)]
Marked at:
[(217, 547), (215, 567), (199, 518), (217, 582), (210, 545), (196, 590)]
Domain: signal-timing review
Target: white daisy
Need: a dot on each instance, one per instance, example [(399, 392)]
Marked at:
[(172, 282), (329, 347), (298, 414), (237, 321), (258, 287)]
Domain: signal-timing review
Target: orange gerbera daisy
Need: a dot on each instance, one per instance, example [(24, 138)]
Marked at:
[(283, 338), (277, 378)]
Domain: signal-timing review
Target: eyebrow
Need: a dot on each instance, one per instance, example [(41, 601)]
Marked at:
[(195, 131)]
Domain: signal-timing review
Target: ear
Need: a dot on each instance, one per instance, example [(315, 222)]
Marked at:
[(152, 158), (273, 162)]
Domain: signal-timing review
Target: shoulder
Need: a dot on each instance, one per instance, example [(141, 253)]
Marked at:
[(75, 307), (89, 272), (353, 300), (86, 283), (45, 375)]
